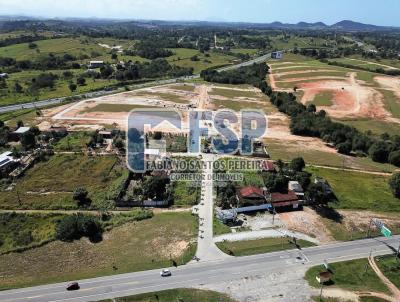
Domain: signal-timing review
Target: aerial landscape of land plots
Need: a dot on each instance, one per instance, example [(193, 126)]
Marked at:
[(324, 182)]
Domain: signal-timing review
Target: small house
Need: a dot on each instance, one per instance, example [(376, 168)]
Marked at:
[(250, 196), (7, 162), (277, 55), (285, 200), (323, 277), (3, 75), (17, 134), (95, 64)]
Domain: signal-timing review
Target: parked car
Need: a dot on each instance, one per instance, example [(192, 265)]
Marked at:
[(165, 273), (73, 286)]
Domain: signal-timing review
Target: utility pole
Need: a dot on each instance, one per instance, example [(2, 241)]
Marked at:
[(320, 294), (369, 228), (366, 265)]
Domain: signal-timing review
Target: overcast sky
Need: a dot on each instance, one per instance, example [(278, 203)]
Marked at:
[(384, 12)]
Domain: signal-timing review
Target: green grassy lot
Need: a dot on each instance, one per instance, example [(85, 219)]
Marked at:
[(258, 246), (182, 294), (49, 185), (390, 267), (355, 190), (21, 230), (288, 150), (323, 99), (183, 194), (104, 107), (228, 93), (375, 126), (336, 73), (28, 116), (182, 58), (166, 96), (184, 87), (392, 102), (142, 245), (220, 228), (74, 141), (350, 275), (24, 231), (237, 105), (60, 88)]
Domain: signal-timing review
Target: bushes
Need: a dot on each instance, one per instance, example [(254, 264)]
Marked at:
[(244, 75), (77, 226), (394, 183)]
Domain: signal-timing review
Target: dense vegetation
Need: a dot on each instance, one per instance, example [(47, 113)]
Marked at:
[(243, 75)]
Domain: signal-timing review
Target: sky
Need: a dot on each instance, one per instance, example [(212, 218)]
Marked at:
[(384, 12)]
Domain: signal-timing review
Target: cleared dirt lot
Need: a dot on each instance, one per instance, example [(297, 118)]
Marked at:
[(350, 96)]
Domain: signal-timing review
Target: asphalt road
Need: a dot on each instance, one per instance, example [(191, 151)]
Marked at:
[(203, 272), (55, 101)]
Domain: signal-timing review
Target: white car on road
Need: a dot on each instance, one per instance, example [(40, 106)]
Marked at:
[(165, 273)]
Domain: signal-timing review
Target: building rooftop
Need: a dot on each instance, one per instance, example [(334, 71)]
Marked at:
[(251, 192), (22, 130)]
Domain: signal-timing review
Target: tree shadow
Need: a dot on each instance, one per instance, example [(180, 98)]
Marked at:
[(326, 211)]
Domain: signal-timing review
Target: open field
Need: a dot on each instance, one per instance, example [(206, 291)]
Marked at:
[(50, 184), (142, 245), (315, 152), (186, 295), (390, 267), (356, 190), (345, 94), (259, 246), (350, 275)]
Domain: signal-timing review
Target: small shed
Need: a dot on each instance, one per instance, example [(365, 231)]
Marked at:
[(323, 277)]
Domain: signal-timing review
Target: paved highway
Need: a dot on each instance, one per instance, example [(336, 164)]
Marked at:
[(203, 272), (55, 101)]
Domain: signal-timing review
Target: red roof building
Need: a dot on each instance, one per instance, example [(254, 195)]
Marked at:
[(251, 192), (285, 199), (249, 196)]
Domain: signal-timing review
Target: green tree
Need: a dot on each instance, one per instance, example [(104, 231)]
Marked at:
[(297, 164), (81, 195), (394, 158), (28, 140), (394, 184), (72, 87), (81, 81)]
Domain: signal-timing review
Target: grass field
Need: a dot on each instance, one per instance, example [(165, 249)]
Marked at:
[(355, 190), (231, 93), (182, 294), (259, 246), (103, 107), (390, 267), (49, 185), (74, 141), (143, 245), (21, 230), (375, 126), (322, 99), (288, 150), (349, 275), (183, 194)]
